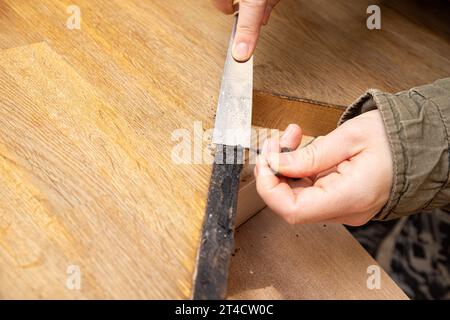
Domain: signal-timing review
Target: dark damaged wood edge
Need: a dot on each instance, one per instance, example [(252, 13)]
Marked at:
[(217, 241)]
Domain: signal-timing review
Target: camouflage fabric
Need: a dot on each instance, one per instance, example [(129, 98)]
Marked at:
[(372, 234), (419, 261)]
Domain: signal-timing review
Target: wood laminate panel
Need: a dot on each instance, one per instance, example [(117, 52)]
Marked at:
[(275, 260), (80, 186), (322, 50)]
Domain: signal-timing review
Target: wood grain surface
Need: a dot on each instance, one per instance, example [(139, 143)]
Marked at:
[(278, 111), (322, 50), (80, 186), (274, 260), (87, 116)]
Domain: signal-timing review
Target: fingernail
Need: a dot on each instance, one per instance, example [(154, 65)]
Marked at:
[(240, 51), (289, 130), (274, 162)]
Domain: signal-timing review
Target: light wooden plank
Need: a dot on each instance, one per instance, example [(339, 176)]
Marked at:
[(79, 187), (322, 50), (275, 260)]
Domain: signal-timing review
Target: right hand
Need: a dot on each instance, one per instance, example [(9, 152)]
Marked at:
[(252, 15)]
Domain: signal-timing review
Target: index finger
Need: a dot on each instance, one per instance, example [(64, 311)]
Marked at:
[(251, 14)]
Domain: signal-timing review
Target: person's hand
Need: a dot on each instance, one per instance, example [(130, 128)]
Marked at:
[(346, 175), (252, 14)]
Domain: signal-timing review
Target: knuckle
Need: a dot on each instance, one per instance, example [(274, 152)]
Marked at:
[(247, 29), (290, 218), (292, 214), (287, 214), (352, 133), (308, 155)]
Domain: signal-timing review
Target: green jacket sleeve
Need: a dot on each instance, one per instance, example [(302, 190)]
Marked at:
[(417, 123)]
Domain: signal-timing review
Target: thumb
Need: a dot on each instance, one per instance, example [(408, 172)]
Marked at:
[(320, 155)]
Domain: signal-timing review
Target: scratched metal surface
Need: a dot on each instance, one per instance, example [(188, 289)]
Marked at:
[(234, 109)]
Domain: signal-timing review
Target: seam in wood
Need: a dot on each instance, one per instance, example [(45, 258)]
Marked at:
[(300, 99)]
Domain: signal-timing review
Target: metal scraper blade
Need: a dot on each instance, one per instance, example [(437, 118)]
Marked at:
[(234, 108)]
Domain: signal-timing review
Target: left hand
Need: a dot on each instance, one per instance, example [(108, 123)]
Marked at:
[(346, 176)]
